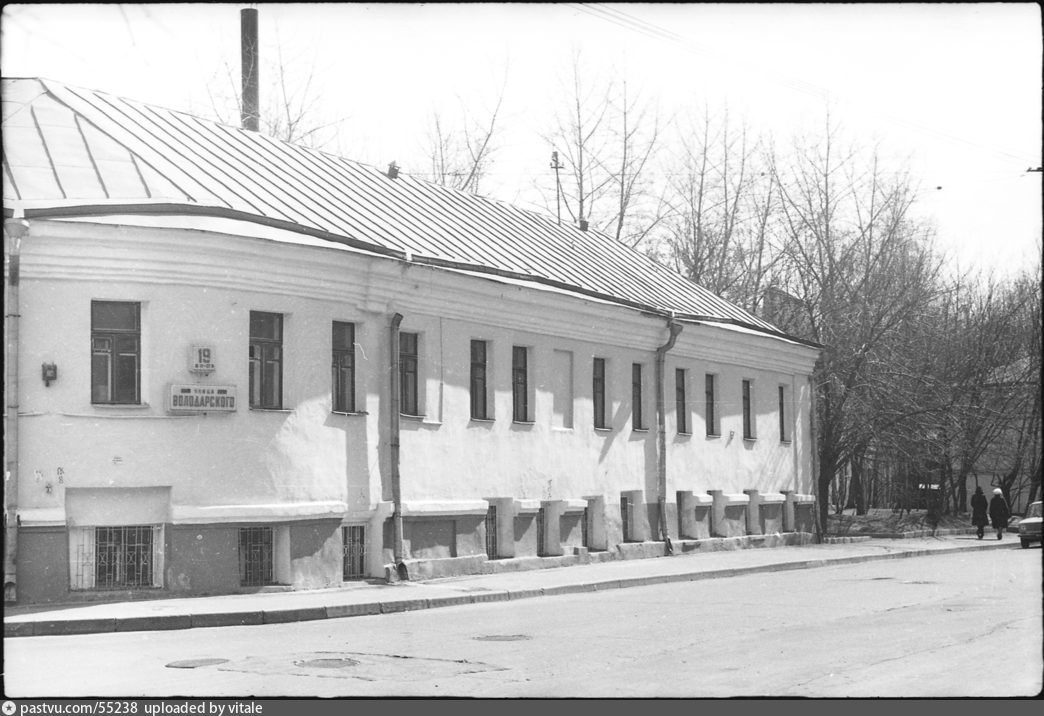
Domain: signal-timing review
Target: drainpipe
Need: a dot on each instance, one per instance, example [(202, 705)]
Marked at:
[(661, 430), (16, 229), (395, 409)]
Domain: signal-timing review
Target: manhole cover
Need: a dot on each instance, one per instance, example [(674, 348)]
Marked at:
[(328, 663), (194, 663), (502, 637)]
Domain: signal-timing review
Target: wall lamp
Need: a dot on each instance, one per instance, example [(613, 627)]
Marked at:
[(49, 372)]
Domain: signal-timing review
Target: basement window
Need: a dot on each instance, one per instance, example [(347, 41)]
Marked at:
[(354, 552), (256, 557), (116, 557)]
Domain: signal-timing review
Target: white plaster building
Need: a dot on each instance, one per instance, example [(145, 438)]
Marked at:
[(236, 364)]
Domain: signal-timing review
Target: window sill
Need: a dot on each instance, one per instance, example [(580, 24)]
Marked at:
[(713, 436), (749, 440), (639, 430), (422, 419), (524, 423), (785, 442), (683, 434), (121, 406), (482, 420), (271, 410), (349, 412), (603, 430)]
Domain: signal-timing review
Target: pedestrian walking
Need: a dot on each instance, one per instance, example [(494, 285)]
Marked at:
[(979, 507), (999, 512)]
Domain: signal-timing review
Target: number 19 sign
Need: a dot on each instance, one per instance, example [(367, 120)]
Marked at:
[(201, 359)]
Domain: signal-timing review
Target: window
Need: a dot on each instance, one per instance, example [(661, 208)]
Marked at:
[(255, 556), (343, 384), (479, 401), (637, 417), (354, 552), (712, 416), (123, 557), (266, 360), (408, 396), (115, 352), (520, 384), (681, 409), (748, 421), (598, 393), (783, 414)]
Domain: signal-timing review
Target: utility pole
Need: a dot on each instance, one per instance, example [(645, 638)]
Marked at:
[(558, 184)]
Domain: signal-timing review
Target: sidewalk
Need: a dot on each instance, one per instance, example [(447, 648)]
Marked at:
[(367, 598)]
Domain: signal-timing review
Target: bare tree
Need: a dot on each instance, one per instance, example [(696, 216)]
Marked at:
[(579, 136), (861, 268), (606, 139), (461, 156), (635, 130), (723, 206), (291, 106)]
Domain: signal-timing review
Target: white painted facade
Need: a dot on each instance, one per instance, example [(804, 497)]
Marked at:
[(87, 464)]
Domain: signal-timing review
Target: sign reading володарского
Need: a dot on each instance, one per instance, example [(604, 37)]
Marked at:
[(202, 398)]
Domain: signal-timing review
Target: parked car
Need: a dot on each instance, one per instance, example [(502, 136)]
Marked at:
[(1029, 526)]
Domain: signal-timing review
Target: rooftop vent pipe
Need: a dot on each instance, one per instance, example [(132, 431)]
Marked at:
[(583, 224), (393, 171), (249, 57)]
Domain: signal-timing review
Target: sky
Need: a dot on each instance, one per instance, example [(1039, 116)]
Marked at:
[(951, 90)]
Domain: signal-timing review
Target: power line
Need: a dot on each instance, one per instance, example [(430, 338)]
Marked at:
[(630, 22)]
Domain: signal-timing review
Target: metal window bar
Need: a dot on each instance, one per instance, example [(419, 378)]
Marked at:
[(354, 552), (491, 532), (625, 517), (123, 557), (540, 532), (255, 556)]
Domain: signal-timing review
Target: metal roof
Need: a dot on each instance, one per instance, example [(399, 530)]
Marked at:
[(73, 152)]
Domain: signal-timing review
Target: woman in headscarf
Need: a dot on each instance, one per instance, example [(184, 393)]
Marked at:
[(999, 512), (979, 507)]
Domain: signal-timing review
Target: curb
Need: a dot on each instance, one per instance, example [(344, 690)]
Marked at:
[(66, 627)]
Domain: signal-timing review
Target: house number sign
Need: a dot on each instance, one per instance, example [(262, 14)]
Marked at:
[(201, 359)]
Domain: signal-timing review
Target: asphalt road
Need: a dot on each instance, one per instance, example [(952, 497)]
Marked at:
[(966, 624)]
